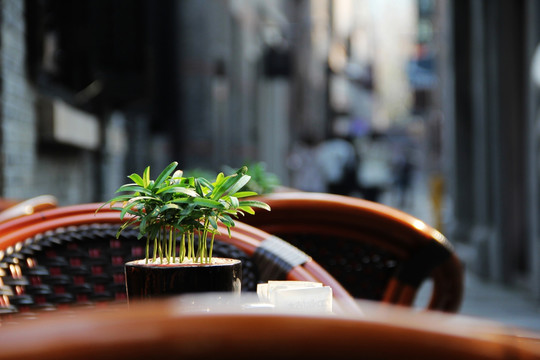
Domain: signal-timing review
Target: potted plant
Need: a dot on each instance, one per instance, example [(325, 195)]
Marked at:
[(178, 217)]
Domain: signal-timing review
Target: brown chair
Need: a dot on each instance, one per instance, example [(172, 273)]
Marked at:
[(375, 251), (6, 203), (70, 256), (164, 330), (15, 209)]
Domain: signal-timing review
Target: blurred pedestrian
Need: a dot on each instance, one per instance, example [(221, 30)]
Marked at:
[(338, 161), (403, 170), (375, 170), (306, 175)]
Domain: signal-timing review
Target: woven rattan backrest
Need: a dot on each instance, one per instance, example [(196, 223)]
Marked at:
[(363, 269), (81, 265)]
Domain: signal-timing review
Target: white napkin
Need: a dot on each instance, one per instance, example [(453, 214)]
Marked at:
[(296, 296)]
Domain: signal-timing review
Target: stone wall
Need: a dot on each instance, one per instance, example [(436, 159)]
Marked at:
[(30, 167), (18, 121)]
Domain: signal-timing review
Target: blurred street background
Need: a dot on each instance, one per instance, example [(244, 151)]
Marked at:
[(430, 106), (483, 298)]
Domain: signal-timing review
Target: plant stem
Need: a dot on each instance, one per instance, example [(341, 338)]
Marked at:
[(211, 247), (192, 244), (174, 245), (160, 234), (147, 249), (199, 248), (205, 239), (182, 252), (170, 244)]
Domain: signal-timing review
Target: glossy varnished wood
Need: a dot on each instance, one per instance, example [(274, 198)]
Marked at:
[(164, 329), (338, 220)]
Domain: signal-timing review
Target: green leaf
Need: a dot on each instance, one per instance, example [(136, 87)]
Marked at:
[(146, 177), (243, 194), (208, 202), (247, 209), (223, 186), (115, 208), (137, 179), (165, 173), (128, 206), (184, 200), (226, 220), (242, 171), (134, 188), (177, 189), (170, 206), (117, 199), (229, 183), (255, 203), (130, 211), (240, 182), (189, 208), (123, 227), (206, 183), (186, 191), (198, 187), (177, 177), (120, 198), (125, 210), (219, 178), (213, 222), (234, 202), (136, 199), (225, 202)]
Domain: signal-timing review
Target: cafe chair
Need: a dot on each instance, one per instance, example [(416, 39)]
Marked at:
[(7, 202), (70, 256), (375, 251), (164, 330), (14, 209)]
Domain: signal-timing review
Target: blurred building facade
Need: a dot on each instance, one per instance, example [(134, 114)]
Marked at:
[(95, 90), (490, 135), (98, 89)]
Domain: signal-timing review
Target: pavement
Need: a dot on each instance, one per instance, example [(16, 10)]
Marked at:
[(483, 299)]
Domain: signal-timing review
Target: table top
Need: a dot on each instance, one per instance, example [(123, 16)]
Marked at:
[(206, 326)]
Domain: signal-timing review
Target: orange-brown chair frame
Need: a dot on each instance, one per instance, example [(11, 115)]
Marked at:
[(244, 237), (362, 221)]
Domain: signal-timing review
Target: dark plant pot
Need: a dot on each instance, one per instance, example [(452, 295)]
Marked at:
[(146, 281)]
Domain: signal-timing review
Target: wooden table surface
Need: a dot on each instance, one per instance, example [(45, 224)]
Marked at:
[(196, 328)]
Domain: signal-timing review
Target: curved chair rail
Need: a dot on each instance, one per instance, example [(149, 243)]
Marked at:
[(28, 206), (377, 252)]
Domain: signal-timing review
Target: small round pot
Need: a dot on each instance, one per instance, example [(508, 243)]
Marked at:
[(146, 281)]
